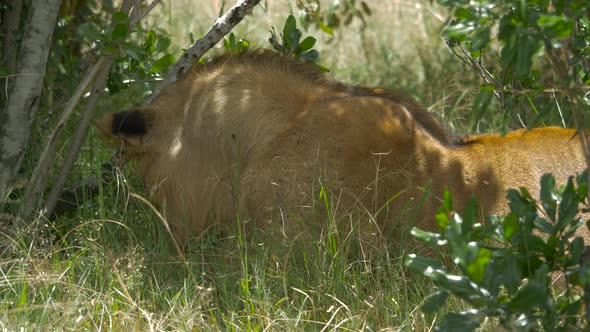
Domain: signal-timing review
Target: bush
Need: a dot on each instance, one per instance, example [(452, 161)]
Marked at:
[(508, 263), (534, 56)]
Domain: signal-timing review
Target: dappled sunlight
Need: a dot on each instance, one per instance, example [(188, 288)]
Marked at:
[(176, 143)]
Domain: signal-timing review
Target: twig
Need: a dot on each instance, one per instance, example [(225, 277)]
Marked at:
[(220, 28), (78, 138), (479, 68), (136, 17), (561, 71), (551, 91)]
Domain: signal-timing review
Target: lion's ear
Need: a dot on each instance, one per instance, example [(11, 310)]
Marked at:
[(127, 126)]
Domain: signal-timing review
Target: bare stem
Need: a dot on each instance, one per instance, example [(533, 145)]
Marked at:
[(78, 138), (39, 177)]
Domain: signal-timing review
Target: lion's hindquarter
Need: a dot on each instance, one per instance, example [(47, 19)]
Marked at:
[(260, 135), (242, 140), (495, 163), (363, 151)]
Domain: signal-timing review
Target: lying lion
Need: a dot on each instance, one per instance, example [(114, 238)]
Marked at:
[(262, 135)]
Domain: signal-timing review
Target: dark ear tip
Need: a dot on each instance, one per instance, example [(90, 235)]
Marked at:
[(128, 123)]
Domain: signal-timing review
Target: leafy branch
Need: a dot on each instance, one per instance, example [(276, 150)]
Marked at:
[(507, 264)]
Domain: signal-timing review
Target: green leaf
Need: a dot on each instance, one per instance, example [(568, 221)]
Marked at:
[(120, 17), (22, 301), (306, 44), (521, 204), (528, 297), (420, 264), (572, 309), (481, 103), (510, 226), (162, 64), (544, 226), (480, 39), (309, 56), (509, 271), (582, 181), (232, 40), (457, 241), (150, 41), (576, 249), (442, 219), (535, 294), (461, 322), (90, 31), (470, 215), (556, 26), (524, 48), (293, 41), (290, 26), (163, 44), (568, 207), (476, 269), (134, 51), (322, 68), (433, 239), (463, 14), (326, 29), (458, 32), (447, 205), (435, 301), (548, 199), (459, 285), (120, 31)]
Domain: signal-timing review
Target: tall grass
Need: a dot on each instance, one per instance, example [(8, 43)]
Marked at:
[(110, 265)]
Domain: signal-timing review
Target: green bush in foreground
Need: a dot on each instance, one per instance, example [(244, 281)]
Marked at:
[(508, 264)]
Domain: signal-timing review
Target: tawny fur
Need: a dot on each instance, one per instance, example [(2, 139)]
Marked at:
[(256, 135)]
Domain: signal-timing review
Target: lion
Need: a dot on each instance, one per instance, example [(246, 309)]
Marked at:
[(260, 135)]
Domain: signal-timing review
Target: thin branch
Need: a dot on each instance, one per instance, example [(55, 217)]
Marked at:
[(76, 143), (551, 91), (136, 17), (39, 177), (220, 28), (479, 68), (560, 68), (77, 140)]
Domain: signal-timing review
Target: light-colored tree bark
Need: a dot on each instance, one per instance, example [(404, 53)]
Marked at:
[(25, 89)]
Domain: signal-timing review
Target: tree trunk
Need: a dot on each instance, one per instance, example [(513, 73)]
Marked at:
[(10, 28), (24, 91)]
